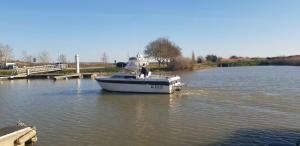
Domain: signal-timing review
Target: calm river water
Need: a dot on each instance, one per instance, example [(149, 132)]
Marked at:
[(222, 106)]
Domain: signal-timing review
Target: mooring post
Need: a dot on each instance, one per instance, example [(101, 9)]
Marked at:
[(28, 72), (77, 64)]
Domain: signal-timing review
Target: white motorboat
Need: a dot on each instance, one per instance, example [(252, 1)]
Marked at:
[(131, 80)]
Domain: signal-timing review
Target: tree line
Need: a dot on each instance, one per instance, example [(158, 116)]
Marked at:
[(6, 55), (167, 53), (43, 57), (164, 51)]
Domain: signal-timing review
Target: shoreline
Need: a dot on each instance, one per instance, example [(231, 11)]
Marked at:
[(92, 72)]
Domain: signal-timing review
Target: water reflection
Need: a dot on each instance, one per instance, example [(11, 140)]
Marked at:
[(78, 83), (141, 115), (78, 86)]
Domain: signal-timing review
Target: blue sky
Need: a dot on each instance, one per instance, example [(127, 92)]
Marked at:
[(121, 28)]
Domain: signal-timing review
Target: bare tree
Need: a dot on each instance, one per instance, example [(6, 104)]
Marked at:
[(26, 57), (104, 58), (1, 53), (193, 58), (180, 63), (6, 53), (162, 50), (44, 57), (62, 58)]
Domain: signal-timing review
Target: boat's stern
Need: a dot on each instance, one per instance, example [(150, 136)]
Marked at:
[(175, 84)]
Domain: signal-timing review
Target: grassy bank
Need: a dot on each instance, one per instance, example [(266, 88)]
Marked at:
[(258, 63), (7, 72), (282, 60), (155, 69), (206, 65), (243, 63)]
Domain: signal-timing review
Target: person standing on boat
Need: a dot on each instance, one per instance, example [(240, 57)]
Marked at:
[(144, 71)]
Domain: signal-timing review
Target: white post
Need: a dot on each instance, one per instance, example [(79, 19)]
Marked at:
[(77, 64), (28, 72)]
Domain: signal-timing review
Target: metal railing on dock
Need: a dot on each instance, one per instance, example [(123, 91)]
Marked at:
[(27, 71), (38, 69)]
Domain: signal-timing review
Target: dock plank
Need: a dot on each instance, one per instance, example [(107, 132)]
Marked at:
[(10, 129), (67, 77)]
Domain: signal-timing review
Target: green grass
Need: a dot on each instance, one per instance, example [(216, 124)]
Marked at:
[(7, 72), (244, 63), (264, 62), (205, 65)]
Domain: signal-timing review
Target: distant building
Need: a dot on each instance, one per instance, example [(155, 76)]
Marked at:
[(9, 66)]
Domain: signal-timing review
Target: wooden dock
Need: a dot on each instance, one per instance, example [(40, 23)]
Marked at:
[(19, 76), (89, 75), (43, 76), (65, 77), (17, 135), (49, 76), (4, 78), (38, 69)]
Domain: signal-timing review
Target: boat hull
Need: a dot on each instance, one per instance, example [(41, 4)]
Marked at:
[(136, 87)]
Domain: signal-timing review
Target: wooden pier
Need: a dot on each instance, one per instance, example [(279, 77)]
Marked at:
[(36, 71), (65, 77), (45, 72), (43, 76), (50, 76), (4, 78), (17, 135), (89, 75)]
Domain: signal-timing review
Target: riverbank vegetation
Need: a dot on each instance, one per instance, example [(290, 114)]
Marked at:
[(240, 61), (169, 57), (163, 51), (7, 72)]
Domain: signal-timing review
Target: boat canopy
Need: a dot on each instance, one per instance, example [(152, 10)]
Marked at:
[(136, 63)]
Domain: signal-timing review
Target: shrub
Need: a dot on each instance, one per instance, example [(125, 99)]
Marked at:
[(234, 57), (200, 59), (180, 63), (211, 58), (7, 72), (121, 64)]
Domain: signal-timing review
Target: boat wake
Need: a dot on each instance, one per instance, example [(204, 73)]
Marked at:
[(187, 91)]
